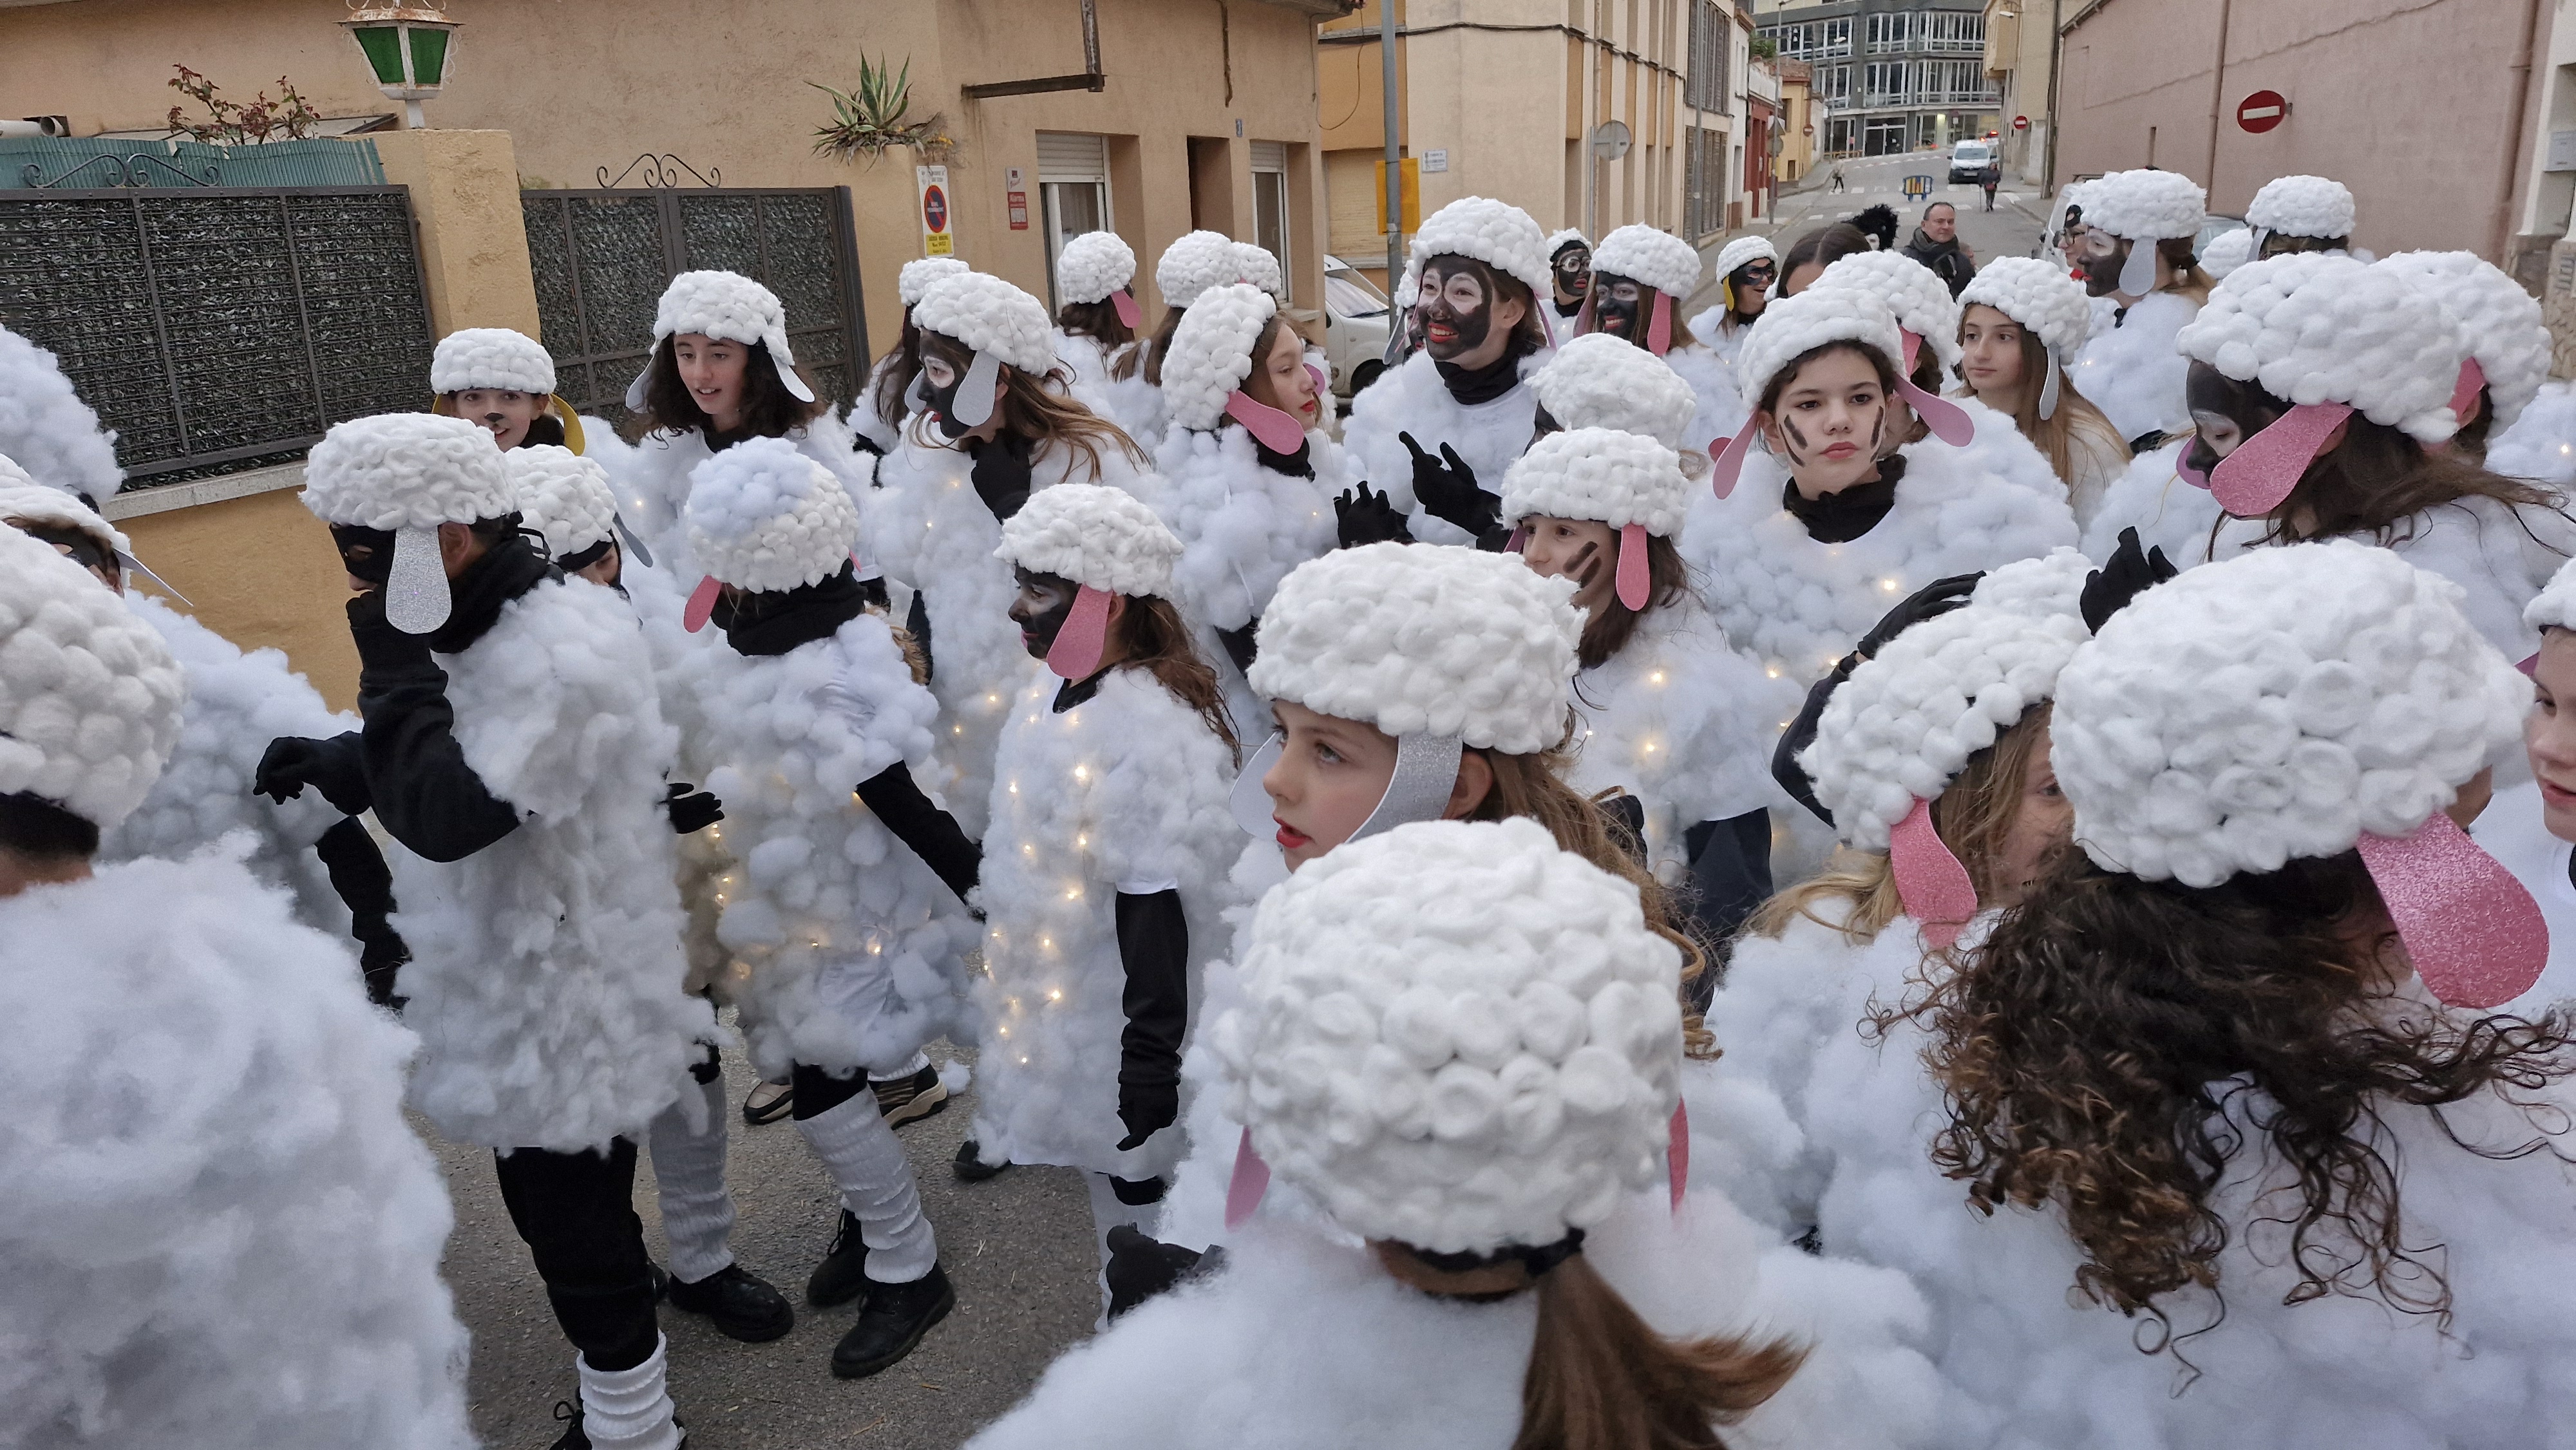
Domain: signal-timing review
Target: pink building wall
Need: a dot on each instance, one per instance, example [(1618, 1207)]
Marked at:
[(2419, 108)]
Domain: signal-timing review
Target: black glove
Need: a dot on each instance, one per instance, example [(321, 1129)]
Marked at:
[(332, 767), (1627, 816), (1446, 488), (380, 645), (2132, 571), (1146, 1109), (916, 622), (691, 809), (1141, 1268), (1365, 516), (1929, 602)]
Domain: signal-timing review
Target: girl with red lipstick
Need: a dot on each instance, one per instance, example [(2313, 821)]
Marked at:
[(1249, 473)]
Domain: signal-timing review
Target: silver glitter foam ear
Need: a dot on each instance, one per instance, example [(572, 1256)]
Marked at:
[(2138, 273), (917, 397), (2048, 389), (416, 597), (1426, 774), (975, 395), (1250, 802)]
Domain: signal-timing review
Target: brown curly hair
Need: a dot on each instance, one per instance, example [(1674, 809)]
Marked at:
[(2116, 1045)]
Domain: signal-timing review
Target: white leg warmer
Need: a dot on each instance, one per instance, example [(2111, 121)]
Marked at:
[(689, 1171), (919, 1061), (1108, 1213), (865, 1159), (630, 1409)]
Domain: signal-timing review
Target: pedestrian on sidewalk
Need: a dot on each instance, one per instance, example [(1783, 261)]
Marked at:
[(1936, 245), (1990, 178), (1837, 183)]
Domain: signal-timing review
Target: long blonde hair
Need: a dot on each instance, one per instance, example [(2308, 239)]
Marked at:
[(2075, 417)]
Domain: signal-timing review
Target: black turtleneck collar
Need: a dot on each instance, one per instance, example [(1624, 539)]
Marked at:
[(507, 570), (1483, 385), (776, 622), (718, 442), (1299, 464), (1073, 693), (1839, 518)]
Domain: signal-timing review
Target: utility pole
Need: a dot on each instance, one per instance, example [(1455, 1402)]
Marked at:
[(1394, 162), (2056, 69)]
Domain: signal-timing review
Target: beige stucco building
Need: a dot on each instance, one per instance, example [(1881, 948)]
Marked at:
[(2020, 56)]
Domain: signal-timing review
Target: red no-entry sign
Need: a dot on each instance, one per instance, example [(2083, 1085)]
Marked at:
[(2262, 111), (2021, 123)]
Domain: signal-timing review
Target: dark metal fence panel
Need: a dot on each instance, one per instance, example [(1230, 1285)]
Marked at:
[(220, 326), (602, 258)]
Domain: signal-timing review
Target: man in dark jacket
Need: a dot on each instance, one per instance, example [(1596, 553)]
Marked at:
[(1988, 179), (1936, 245)]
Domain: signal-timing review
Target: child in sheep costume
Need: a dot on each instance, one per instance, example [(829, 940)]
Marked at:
[(1433, 1333), (842, 953), (1095, 331), (1249, 474), (1640, 279), (2293, 349), (2509, 346), (2522, 827), (56, 464), (964, 467), (217, 1228), (1927, 316), (2049, 308), (514, 748), (1188, 267), (878, 417), (2131, 369), (1465, 394), (2225, 253), (1569, 265), (1670, 713), (1746, 270), (1598, 381), (2302, 214), (503, 381), (1795, 578), (2384, 702)]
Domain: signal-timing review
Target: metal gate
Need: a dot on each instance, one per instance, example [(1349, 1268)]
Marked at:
[(218, 327), (602, 257)]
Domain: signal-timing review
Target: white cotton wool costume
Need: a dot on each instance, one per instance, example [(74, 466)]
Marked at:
[(2145, 205), (47, 429), (1913, 293), (1671, 266), (729, 307), (1599, 381), (2131, 370), (546, 980), (1125, 792), (491, 357), (653, 485), (219, 1232), (910, 283), (2301, 206), (1496, 233), (2052, 307), (1242, 526), (2497, 319), (1411, 398), (564, 496), (2541, 444), (1092, 266), (840, 949), (2169, 512)]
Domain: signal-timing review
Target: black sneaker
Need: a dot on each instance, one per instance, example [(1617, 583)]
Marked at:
[(910, 1099), (842, 1276), (895, 1319), (575, 1437), (741, 1304), (972, 1168)]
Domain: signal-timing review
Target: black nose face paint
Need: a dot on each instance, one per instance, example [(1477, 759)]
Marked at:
[(1616, 304), (2102, 274), (1041, 617), (1466, 324), (366, 553), (2206, 390), (942, 402)]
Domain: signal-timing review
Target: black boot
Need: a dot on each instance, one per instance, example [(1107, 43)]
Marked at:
[(741, 1304), (895, 1319), (842, 1276), (971, 1166)]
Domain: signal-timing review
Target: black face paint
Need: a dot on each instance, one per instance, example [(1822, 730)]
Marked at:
[(1752, 283), (2102, 274), (1618, 303), (86, 549), (1798, 444), (1573, 267), (942, 401), (2277, 245), (366, 553), (1468, 325), (1039, 627), (2207, 390)]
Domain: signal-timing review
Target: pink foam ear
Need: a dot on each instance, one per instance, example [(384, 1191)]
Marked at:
[(1929, 880), (1677, 1153), (1582, 315), (1659, 331), (2188, 474), (1728, 462), (1323, 382), (1913, 347), (2476, 936), (1076, 652), (2472, 378), (702, 602), (1251, 1180), (1277, 431), (1634, 579), (2252, 481), (1520, 537), (1950, 422), (1129, 313), (2530, 666)]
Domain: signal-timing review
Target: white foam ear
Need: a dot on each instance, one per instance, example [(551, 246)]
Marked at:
[(416, 596), (1250, 802), (2048, 389), (975, 395), (635, 389), (776, 342), (136, 565), (917, 397), (2138, 273)]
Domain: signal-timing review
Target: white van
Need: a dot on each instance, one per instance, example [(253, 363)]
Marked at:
[(1968, 158)]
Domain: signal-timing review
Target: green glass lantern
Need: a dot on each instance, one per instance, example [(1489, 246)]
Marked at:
[(409, 48)]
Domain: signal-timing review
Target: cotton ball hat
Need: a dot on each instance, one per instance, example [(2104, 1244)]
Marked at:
[(1424, 641), (1601, 474), (1601, 381), (2042, 298), (2277, 705), (1558, 240), (2498, 321), (564, 496), (1658, 259), (1496, 233), (2554, 607), (1092, 266), (1741, 251), (2145, 205), (2051, 584), (24, 500), (1211, 352), (491, 357), (764, 517), (2226, 252), (2302, 206), (1791, 326), (730, 307), (402, 471), (988, 315), (1457, 1036), (90, 699), (1916, 294), (1193, 264), (1256, 266), (920, 272), (2315, 328), (1099, 537)]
